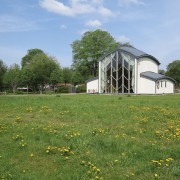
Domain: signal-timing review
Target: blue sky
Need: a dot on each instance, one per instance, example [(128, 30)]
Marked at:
[(152, 26)]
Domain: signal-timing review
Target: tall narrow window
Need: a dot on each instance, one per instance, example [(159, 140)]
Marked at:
[(165, 83), (161, 83)]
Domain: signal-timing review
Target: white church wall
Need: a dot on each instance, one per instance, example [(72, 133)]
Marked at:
[(147, 86), (92, 86), (144, 85), (164, 86)]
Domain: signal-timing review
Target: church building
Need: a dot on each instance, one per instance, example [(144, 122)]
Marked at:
[(129, 70)]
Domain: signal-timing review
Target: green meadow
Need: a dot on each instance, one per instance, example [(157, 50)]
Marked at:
[(82, 137)]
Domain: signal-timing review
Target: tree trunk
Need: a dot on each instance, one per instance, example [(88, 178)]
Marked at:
[(14, 89)]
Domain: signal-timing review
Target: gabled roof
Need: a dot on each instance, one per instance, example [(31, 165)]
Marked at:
[(91, 79), (133, 51), (155, 76)]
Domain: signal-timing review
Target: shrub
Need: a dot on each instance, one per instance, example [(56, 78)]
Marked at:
[(81, 88), (62, 89)]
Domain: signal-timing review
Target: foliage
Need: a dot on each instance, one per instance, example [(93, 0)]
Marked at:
[(77, 78), (173, 70), (31, 53), (62, 89), (89, 137), (162, 71), (87, 51), (3, 69), (56, 76), (81, 88), (67, 75), (27, 76), (12, 77), (39, 69)]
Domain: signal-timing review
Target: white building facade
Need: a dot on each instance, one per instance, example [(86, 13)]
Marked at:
[(92, 85), (129, 70)]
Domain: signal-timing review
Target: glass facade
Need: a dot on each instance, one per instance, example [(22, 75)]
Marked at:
[(117, 73)]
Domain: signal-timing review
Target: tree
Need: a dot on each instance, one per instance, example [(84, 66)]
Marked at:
[(67, 75), (89, 49), (30, 55), (39, 66), (42, 66), (27, 77), (12, 77), (77, 78), (3, 69), (162, 71), (173, 70), (56, 76)]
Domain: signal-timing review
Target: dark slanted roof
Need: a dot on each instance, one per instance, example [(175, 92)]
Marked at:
[(155, 76), (91, 79), (133, 51)]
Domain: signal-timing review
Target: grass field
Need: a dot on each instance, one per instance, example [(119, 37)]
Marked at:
[(89, 137)]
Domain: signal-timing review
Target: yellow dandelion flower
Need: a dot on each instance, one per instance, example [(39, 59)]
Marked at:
[(155, 175), (31, 155)]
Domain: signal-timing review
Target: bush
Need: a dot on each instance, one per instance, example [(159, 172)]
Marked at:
[(81, 88), (49, 92), (62, 89)]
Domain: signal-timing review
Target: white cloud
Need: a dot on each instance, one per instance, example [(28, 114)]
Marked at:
[(131, 2), (15, 24), (94, 23), (75, 7), (56, 7), (63, 26), (122, 39), (81, 7), (105, 12), (97, 1)]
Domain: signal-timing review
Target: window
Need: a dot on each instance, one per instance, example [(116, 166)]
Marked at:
[(165, 83), (158, 84), (161, 83)]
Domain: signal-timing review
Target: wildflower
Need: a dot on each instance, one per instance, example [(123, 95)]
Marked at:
[(31, 155), (155, 175), (82, 162), (116, 161), (66, 158)]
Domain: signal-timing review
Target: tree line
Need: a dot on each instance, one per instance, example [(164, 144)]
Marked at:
[(39, 70)]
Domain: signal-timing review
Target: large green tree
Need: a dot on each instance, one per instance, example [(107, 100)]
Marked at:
[(89, 49), (3, 69), (39, 66), (173, 70), (26, 60), (12, 77)]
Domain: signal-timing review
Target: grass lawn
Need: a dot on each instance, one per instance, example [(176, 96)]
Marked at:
[(81, 137)]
